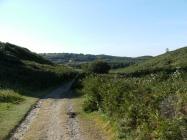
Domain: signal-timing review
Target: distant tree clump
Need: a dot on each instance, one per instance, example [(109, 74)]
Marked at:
[(167, 50), (99, 67)]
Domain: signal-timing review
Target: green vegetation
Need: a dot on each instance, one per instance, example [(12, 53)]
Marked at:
[(11, 113), (148, 101), (10, 96), (92, 121), (24, 78), (142, 108), (20, 66), (167, 62), (76, 60), (11, 52), (99, 67)]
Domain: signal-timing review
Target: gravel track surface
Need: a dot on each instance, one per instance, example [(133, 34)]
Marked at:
[(53, 118)]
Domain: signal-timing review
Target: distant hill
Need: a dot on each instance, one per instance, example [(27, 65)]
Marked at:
[(169, 61), (77, 59)]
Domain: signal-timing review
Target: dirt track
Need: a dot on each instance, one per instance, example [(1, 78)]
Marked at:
[(53, 118)]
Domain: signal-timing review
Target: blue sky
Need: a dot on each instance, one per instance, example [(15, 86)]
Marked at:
[(114, 27)]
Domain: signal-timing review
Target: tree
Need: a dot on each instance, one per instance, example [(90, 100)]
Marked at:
[(167, 50), (99, 67)]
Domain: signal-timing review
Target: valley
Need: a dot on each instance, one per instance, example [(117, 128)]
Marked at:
[(40, 99)]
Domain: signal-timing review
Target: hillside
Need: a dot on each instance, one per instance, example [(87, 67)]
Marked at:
[(148, 101), (15, 53), (19, 65), (168, 62), (24, 78), (77, 59)]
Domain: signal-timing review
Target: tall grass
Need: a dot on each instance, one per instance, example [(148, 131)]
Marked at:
[(152, 107), (10, 96)]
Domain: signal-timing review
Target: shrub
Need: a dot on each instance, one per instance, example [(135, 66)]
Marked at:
[(92, 93), (99, 67), (10, 96), (144, 108)]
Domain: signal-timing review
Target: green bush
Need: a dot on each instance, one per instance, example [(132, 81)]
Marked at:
[(99, 67), (144, 108), (92, 93)]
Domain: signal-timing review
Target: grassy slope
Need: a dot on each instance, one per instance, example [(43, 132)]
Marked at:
[(167, 62), (11, 51), (20, 66), (24, 77)]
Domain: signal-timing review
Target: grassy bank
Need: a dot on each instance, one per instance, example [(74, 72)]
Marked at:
[(11, 113), (95, 122)]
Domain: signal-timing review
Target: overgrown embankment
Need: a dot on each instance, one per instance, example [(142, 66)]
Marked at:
[(151, 107)]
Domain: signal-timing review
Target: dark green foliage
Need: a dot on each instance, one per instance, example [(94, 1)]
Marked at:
[(24, 71), (34, 75), (151, 107), (10, 52), (99, 67), (92, 95), (77, 84)]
